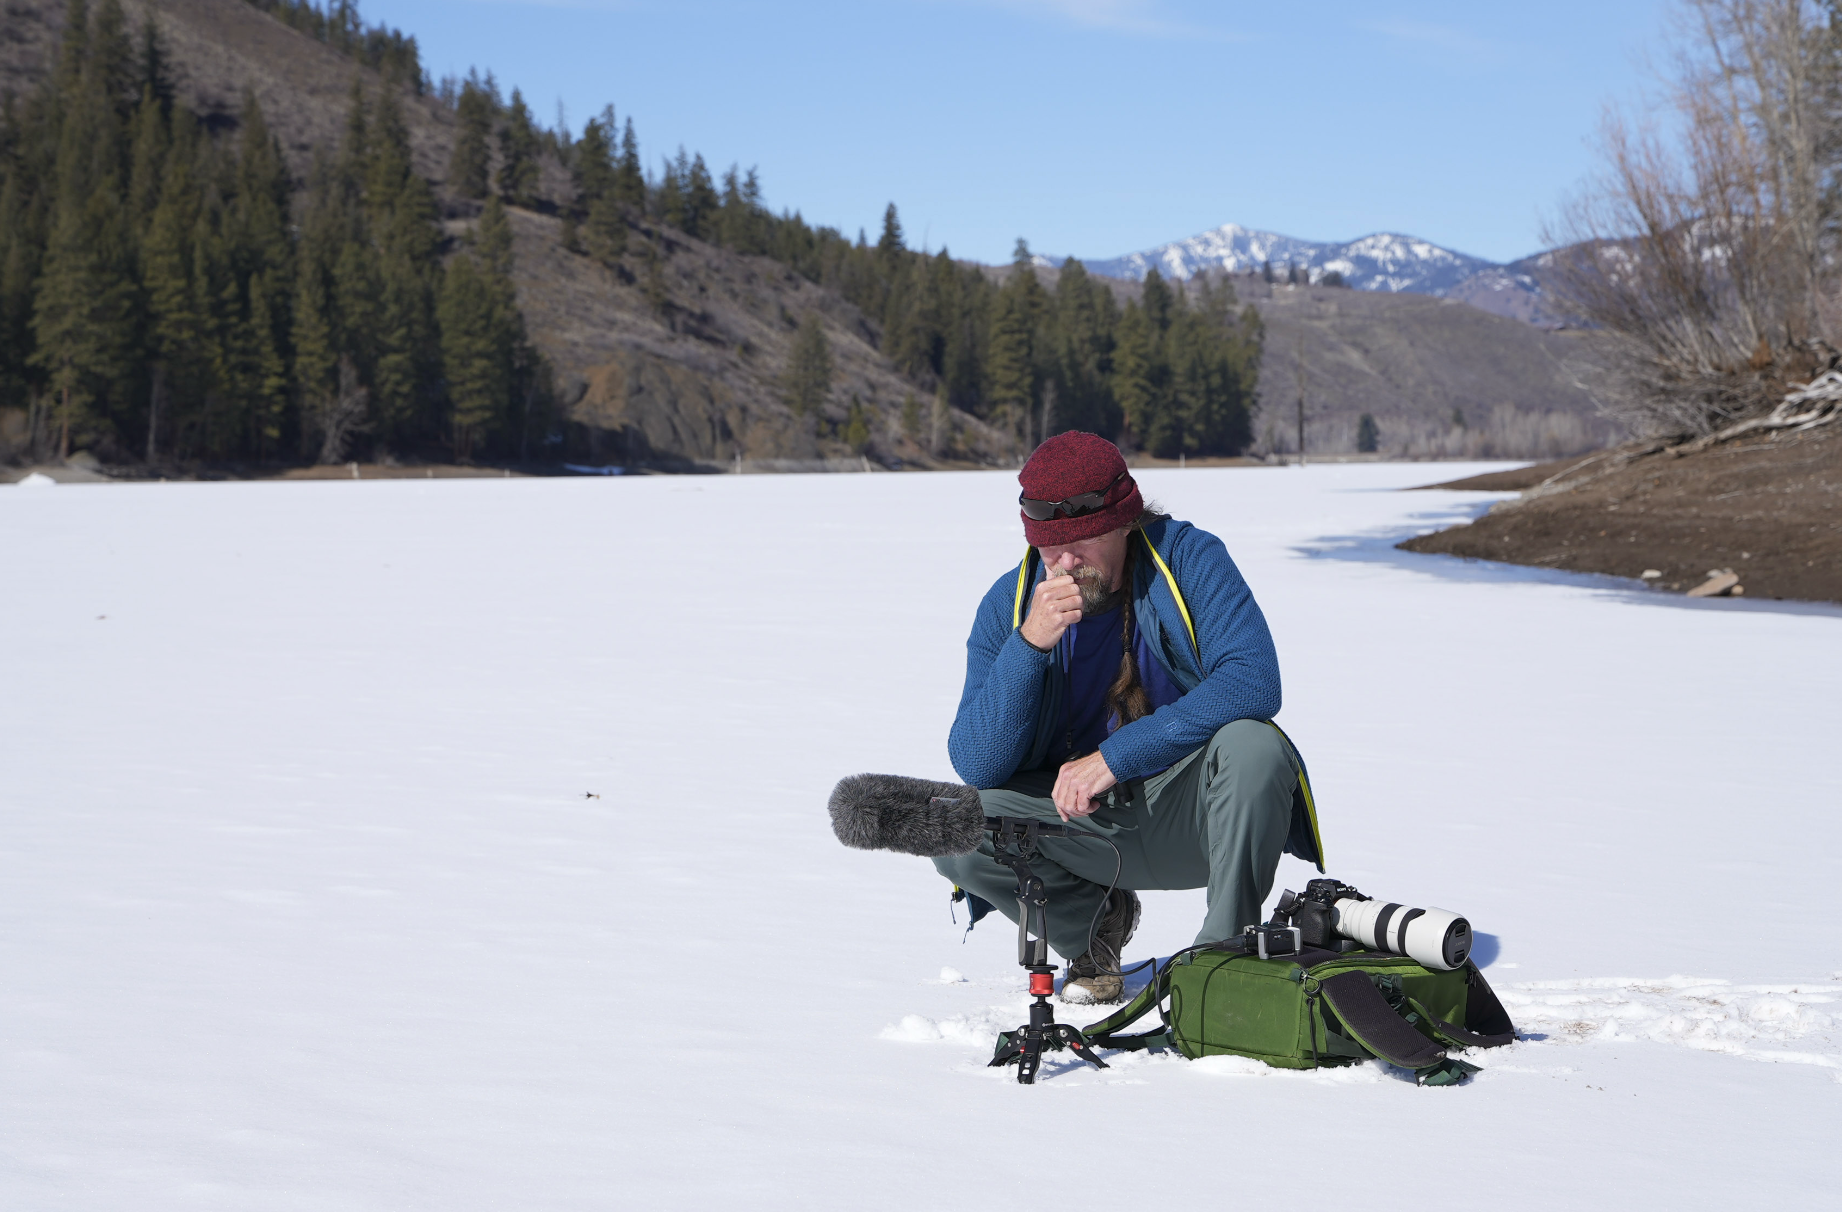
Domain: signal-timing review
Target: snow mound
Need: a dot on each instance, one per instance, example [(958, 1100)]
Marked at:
[(37, 479), (980, 1028), (1693, 1012)]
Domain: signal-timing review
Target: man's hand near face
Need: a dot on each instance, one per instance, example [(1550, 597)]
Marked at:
[(1079, 784), (1054, 608)]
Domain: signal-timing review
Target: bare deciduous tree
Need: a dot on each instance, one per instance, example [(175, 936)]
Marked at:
[(1710, 266), (341, 414)]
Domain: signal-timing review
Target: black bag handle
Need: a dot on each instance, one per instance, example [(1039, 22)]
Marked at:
[(1375, 1024)]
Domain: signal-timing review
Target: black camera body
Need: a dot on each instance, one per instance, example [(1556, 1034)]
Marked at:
[(1314, 912)]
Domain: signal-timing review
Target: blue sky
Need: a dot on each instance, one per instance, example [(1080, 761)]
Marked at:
[(1092, 127)]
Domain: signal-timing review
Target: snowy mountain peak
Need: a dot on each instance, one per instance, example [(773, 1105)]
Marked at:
[(1387, 261)]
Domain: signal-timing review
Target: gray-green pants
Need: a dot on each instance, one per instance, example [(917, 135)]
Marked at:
[(1215, 820)]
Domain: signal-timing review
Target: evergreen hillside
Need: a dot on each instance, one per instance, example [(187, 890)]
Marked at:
[(256, 233)]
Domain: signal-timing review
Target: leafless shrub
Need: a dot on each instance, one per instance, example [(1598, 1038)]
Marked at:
[(1502, 431), (341, 414), (1709, 267)]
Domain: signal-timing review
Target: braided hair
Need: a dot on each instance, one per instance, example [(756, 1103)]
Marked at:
[(1126, 699)]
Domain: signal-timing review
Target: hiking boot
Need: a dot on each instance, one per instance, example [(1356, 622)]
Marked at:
[(1094, 978)]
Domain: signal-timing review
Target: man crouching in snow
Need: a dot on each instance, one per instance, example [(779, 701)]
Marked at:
[(1123, 676)]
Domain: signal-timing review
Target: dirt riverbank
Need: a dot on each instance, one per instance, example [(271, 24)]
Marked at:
[(1768, 510)]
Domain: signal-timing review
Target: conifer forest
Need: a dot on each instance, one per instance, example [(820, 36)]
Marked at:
[(172, 295)]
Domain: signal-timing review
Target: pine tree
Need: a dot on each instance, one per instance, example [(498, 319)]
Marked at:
[(629, 178), (480, 332), (807, 380), (739, 224), (401, 213), (470, 167), (263, 258), (1010, 363), (1135, 371), (911, 417), (592, 162), (24, 168), (148, 158), (701, 202), (889, 248), (605, 232), (1367, 436), (1086, 318), (668, 198), (658, 297), (112, 60), (82, 315), (857, 428), (1158, 301), (156, 76), (518, 167), (174, 328)]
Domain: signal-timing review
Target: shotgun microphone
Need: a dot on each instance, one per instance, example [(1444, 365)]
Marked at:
[(907, 815)]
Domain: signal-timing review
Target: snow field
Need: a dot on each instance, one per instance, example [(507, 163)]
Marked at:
[(461, 844)]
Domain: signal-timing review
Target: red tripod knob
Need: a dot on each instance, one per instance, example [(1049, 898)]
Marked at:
[(1042, 984)]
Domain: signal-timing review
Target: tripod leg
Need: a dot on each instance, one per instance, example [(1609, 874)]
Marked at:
[(1032, 1058), (1075, 1042)]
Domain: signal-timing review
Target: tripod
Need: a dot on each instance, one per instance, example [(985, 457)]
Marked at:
[(1015, 841)]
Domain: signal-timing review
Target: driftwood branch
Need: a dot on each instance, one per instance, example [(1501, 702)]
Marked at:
[(1818, 402)]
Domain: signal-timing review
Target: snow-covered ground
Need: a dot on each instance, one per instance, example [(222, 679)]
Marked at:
[(461, 845)]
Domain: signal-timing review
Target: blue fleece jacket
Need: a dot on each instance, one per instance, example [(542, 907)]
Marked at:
[(1011, 708)]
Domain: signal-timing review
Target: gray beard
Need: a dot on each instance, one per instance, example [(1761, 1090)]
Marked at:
[(1096, 598)]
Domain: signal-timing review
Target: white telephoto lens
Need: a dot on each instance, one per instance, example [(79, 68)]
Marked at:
[(1437, 938)]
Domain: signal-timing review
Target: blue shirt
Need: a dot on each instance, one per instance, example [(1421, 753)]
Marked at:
[(1090, 653), (1092, 648)]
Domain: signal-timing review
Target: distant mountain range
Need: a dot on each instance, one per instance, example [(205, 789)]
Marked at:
[(1385, 261)]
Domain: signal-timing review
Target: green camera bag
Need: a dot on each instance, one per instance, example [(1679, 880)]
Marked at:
[(1315, 1008)]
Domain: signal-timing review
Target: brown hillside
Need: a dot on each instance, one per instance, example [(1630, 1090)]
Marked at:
[(695, 381), (1412, 362), (692, 381), (220, 48)]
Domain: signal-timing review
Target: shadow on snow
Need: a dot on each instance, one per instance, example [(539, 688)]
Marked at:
[(1378, 547)]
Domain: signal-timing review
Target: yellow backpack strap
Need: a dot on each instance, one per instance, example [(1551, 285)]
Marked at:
[(1023, 587), (1304, 782), (1182, 606)]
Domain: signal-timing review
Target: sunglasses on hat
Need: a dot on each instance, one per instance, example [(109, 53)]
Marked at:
[(1080, 504)]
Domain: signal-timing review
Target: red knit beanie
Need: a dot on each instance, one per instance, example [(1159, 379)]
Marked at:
[(1070, 464)]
